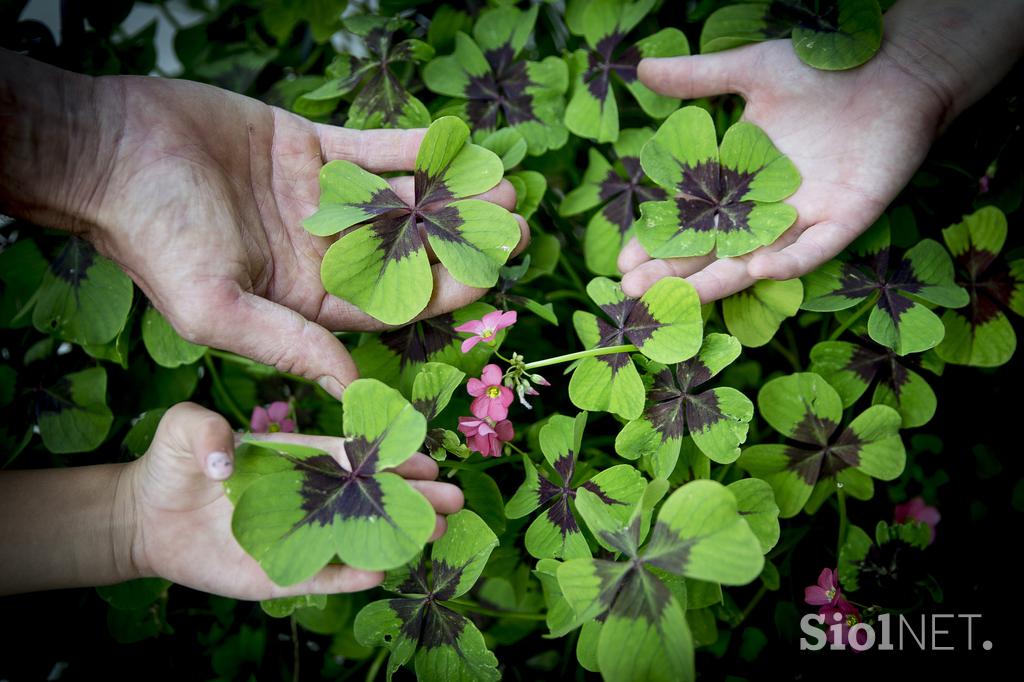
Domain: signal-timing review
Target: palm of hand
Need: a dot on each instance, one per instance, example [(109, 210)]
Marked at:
[(204, 207), (855, 136)]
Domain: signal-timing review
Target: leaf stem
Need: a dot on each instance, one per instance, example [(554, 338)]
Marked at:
[(295, 649), (563, 260), (791, 357), (496, 613), (842, 523), (578, 355), (218, 386), (378, 661), (754, 601), (857, 314)]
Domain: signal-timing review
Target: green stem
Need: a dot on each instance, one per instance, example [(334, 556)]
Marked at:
[(793, 360), (496, 613), (371, 674), (571, 271), (566, 293), (752, 604), (578, 355), (722, 471), (857, 314), (218, 386), (842, 523), (295, 649)]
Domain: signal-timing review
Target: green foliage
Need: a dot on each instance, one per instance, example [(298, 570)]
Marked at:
[(636, 533)]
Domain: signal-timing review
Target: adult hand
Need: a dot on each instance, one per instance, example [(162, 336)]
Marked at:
[(855, 136), (203, 207), (199, 194), (182, 519)]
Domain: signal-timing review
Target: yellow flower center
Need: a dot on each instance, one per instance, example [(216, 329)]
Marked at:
[(273, 428), (493, 391), (487, 332), (851, 620), (831, 594)]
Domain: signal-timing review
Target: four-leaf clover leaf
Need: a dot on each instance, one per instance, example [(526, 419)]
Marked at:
[(716, 418), (380, 262), (619, 189), (297, 507), (898, 320), (592, 111), (805, 408), (446, 644), (664, 324), (727, 199), (556, 532), (494, 87)]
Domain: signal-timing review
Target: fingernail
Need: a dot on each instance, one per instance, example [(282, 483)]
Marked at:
[(331, 385), (218, 465)]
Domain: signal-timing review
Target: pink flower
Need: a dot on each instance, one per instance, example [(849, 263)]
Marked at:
[(486, 328), (272, 419), (825, 592), (491, 398), (917, 510), (846, 616), (485, 436)]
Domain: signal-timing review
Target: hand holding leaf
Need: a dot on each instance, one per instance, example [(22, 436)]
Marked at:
[(380, 263)]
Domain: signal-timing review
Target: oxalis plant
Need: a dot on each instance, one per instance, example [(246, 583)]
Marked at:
[(648, 480)]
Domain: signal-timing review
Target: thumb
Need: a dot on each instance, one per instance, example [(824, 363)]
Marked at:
[(274, 335), (205, 434), (704, 75)]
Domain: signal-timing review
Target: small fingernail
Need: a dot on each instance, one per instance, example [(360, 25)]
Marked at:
[(331, 385), (218, 465)]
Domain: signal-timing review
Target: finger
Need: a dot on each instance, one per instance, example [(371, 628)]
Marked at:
[(721, 278), (816, 245), (445, 497), (503, 194), (636, 282), (334, 579), (272, 334), (633, 255), (375, 150), (702, 75), (205, 434), (440, 526), (419, 467)]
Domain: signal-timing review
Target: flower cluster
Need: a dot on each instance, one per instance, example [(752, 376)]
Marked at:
[(493, 393), (835, 609)]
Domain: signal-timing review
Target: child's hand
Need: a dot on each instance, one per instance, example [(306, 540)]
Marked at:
[(183, 520)]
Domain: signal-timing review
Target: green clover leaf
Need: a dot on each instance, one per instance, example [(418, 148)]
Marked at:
[(593, 111), (899, 317), (716, 419), (980, 334), (840, 35), (83, 298), (756, 313), (664, 324), (699, 534), (852, 368), (724, 199), (444, 644), (618, 189), (806, 409), (383, 101), (494, 88), (380, 261), (297, 507), (72, 414), (556, 532)]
